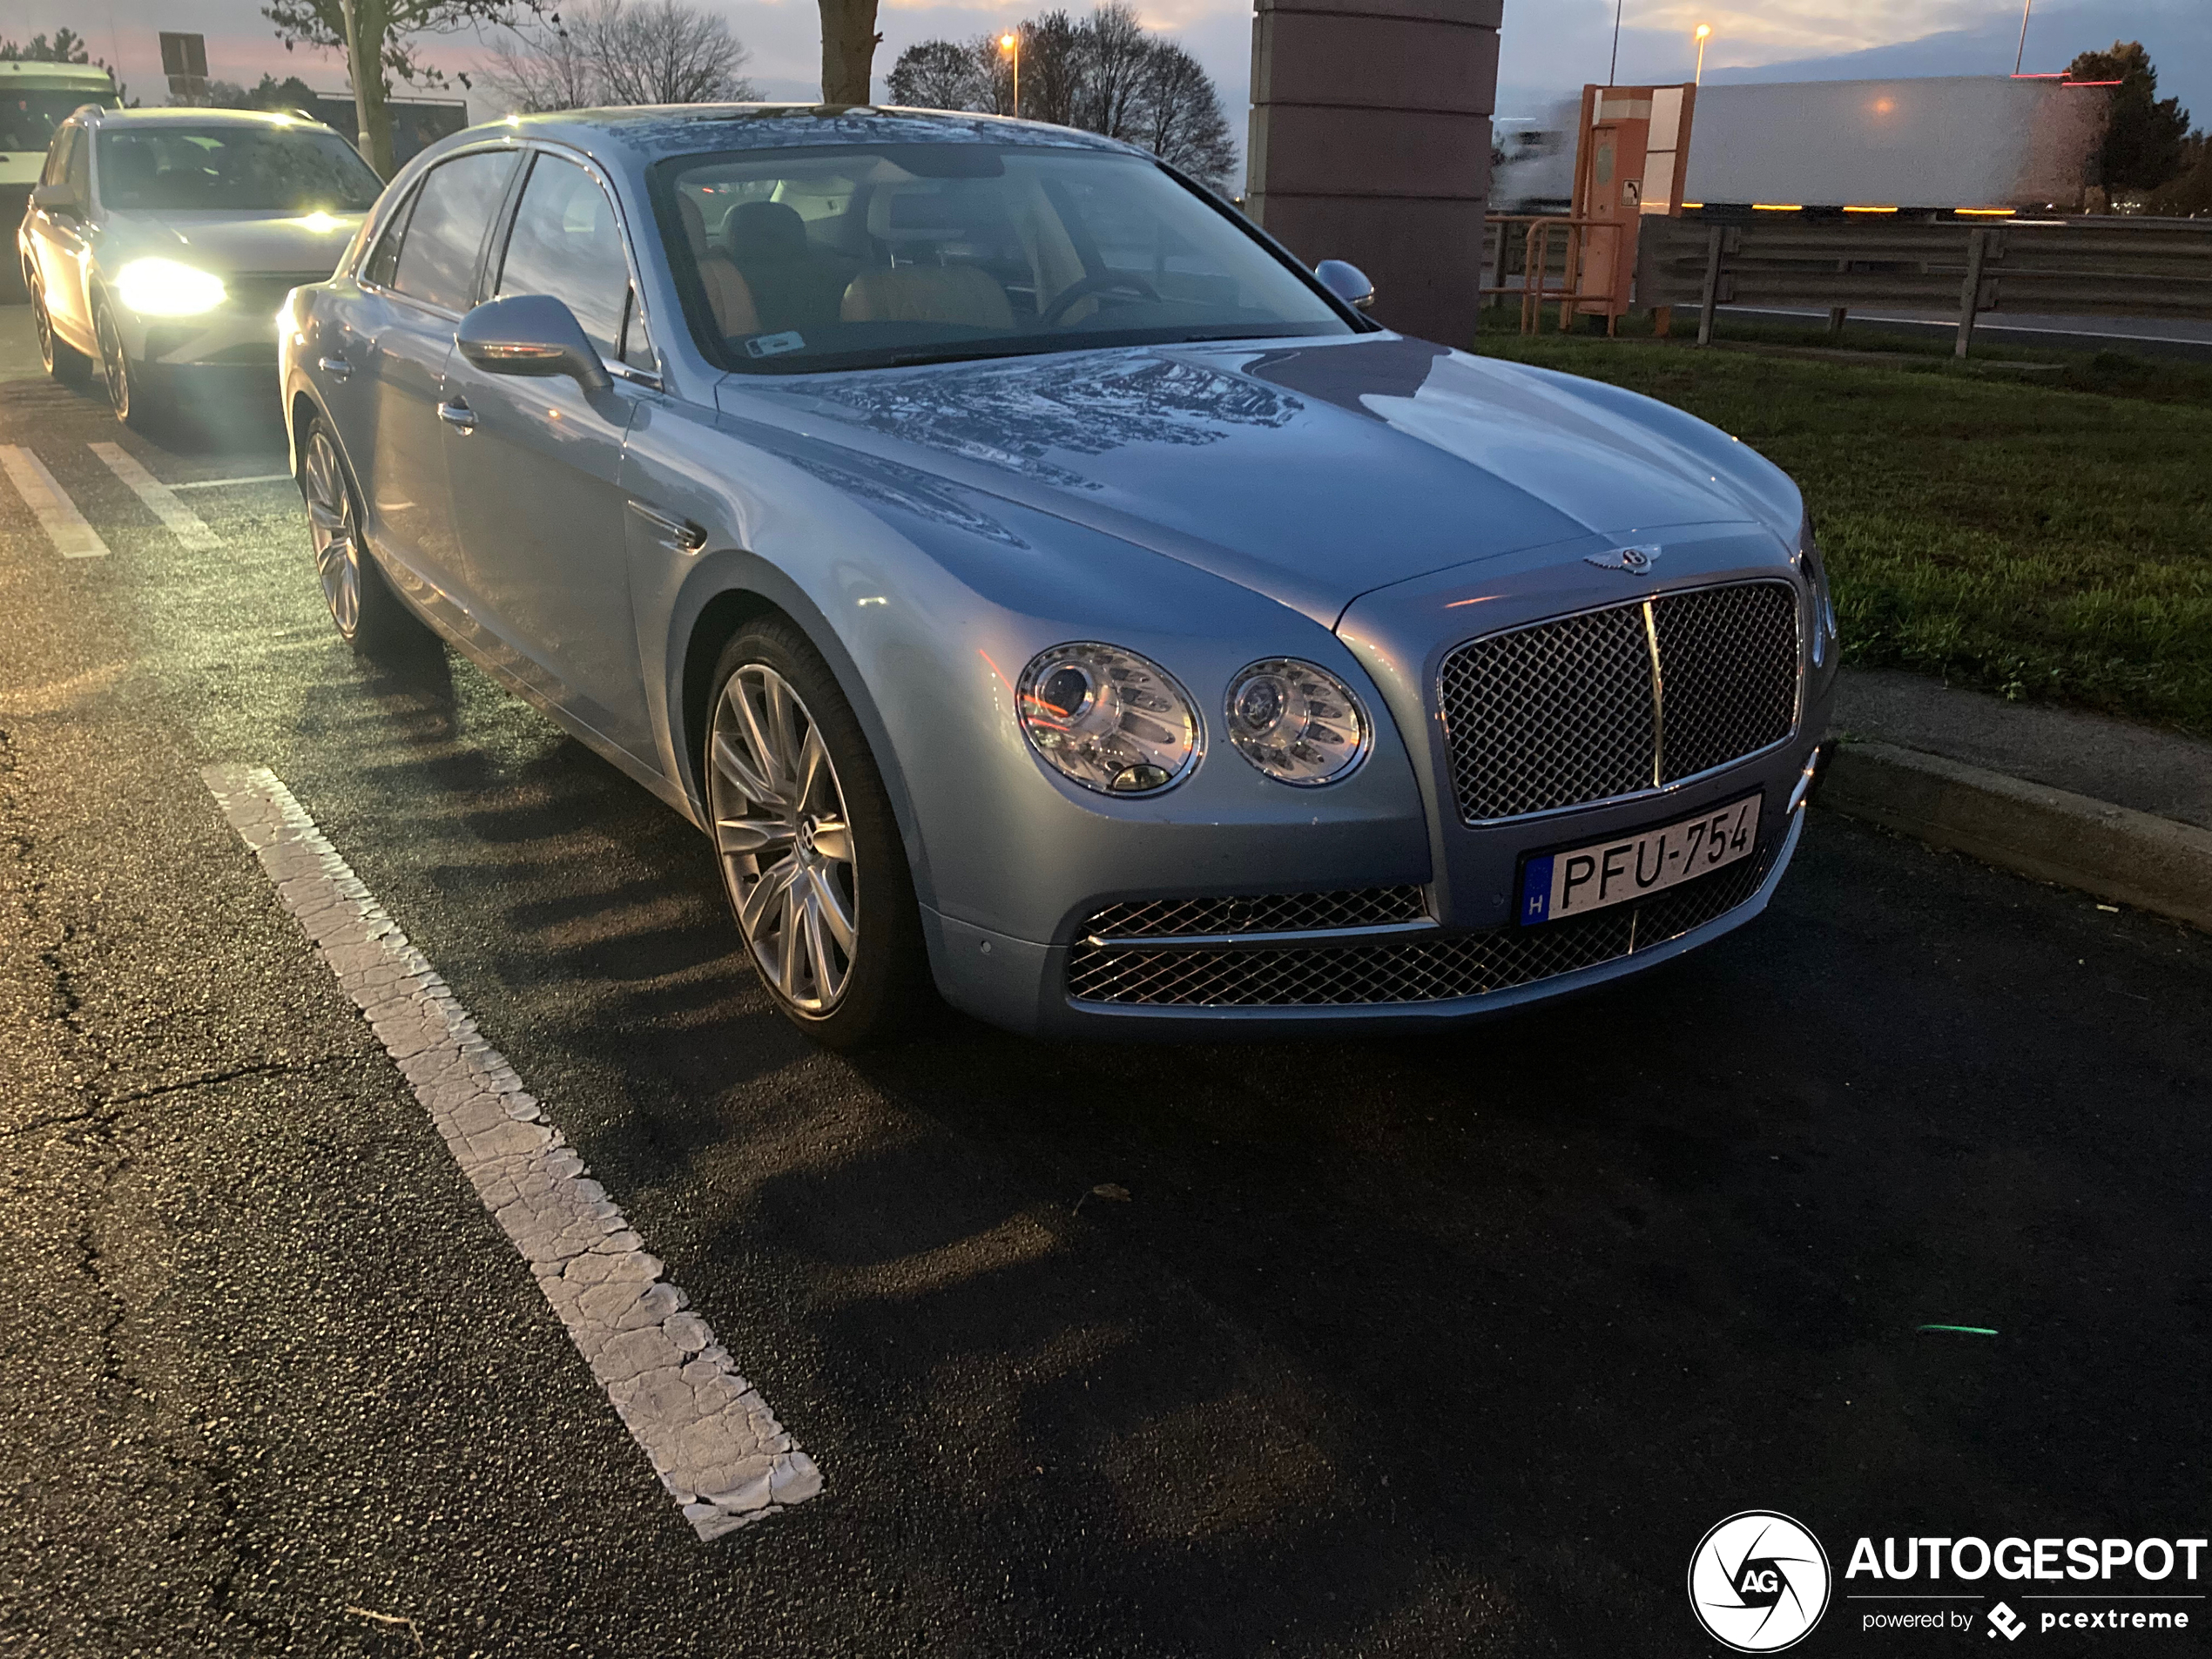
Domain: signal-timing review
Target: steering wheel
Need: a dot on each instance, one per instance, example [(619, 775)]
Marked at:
[(1105, 283)]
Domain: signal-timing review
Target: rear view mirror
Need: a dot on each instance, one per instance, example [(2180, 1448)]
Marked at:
[(531, 333), (57, 198), (1348, 282)]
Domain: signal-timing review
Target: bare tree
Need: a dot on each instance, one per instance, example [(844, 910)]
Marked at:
[(1179, 117), (548, 70), (662, 51), (939, 75), (1104, 74), (1116, 57), (621, 52)]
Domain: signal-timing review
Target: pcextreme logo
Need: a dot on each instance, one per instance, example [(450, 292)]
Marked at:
[(1758, 1582)]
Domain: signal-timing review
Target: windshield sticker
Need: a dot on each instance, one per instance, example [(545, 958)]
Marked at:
[(774, 345)]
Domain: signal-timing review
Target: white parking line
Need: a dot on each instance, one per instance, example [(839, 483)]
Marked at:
[(711, 1438), (184, 524), (225, 483), (58, 515)]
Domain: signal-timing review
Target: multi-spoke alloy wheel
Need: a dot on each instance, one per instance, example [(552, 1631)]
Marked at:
[(332, 523), (785, 840)]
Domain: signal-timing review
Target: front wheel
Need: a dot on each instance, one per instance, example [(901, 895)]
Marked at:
[(810, 852), (135, 391), (366, 612)]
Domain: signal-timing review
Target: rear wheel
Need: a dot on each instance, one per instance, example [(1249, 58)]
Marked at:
[(368, 614), (63, 361), (810, 852)]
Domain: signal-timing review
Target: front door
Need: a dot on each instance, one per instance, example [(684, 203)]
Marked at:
[(533, 466)]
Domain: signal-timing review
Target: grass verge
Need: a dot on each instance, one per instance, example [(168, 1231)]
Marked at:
[(2045, 537)]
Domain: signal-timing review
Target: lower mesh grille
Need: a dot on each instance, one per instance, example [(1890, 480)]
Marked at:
[(1416, 970), (1263, 914)]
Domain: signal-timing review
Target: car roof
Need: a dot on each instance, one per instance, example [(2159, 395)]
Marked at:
[(176, 116), (654, 131), (58, 76)]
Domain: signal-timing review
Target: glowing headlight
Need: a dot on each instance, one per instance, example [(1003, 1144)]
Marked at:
[(165, 288), (1108, 719), (1296, 723)]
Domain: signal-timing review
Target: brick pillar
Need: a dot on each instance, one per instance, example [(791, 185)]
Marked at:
[(1370, 142)]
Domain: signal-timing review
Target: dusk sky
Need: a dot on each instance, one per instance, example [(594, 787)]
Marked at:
[(1550, 46)]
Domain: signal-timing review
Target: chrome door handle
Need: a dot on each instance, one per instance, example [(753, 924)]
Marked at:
[(458, 413), (336, 367), (679, 533)]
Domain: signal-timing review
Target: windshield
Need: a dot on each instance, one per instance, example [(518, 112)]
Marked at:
[(28, 118), (239, 169), (870, 256)]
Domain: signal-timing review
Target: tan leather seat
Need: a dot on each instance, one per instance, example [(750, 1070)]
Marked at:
[(728, 296), (962, 295)]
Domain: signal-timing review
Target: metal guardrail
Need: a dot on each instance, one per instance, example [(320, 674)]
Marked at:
[(2136, 267)]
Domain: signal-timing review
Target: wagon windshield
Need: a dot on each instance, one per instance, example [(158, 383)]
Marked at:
[(238, 169), (872, 256)]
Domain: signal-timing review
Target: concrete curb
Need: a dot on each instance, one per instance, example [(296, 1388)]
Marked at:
[(2115, 852)]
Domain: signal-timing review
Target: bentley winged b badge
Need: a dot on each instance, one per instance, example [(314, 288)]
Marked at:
[(1634, 560)]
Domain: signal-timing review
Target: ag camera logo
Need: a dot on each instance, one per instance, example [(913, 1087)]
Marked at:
[(1759, 1582)]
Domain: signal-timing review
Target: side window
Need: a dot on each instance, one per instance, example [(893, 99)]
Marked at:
[(438, 262), (80, 166), (566, 243), (57, 157), (383, 264)]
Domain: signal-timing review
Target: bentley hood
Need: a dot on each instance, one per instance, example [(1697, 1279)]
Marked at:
[(1313, 472)]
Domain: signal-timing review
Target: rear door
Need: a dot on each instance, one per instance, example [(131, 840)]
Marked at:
[(58, 239), (395, 339), (534, 471)]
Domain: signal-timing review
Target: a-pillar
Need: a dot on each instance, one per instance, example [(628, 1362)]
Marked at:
[(1370, 142)]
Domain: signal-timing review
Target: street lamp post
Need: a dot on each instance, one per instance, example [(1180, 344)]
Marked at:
[(1704, 32), (1613, 70), (1010, 44), (2021, 57)]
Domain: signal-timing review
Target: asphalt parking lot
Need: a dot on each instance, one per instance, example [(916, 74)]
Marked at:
[(1450, 1345)]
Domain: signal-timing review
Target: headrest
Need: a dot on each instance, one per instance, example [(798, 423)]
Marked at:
[(765, 234), (928, 214), (694, 223)]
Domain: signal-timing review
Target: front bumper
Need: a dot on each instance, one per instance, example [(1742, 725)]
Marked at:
[(1410, 975)]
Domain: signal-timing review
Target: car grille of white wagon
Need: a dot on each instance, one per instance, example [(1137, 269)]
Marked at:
[(1422, 968), (1609, 704)]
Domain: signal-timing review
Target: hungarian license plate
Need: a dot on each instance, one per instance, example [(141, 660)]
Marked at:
[(1636, 865)]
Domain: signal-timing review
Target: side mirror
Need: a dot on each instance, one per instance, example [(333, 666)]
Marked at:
[(1348, 282), (57, 198), (531, 333)]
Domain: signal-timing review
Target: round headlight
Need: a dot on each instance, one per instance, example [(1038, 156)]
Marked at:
[(1108, 719), (1296, 722)]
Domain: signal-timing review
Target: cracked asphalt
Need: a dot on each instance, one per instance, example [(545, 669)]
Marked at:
[(1451, 1346)]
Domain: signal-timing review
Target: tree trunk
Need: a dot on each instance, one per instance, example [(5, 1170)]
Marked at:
[(365, 23), (849, 41)]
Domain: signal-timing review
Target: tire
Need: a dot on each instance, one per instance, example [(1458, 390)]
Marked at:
[(367, 614), (137, 393), (63, 361), (810, 852)]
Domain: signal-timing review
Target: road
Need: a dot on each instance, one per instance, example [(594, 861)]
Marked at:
[(1453, 1345)]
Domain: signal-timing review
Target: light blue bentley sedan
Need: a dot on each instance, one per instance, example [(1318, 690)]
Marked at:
[(1037, 583)]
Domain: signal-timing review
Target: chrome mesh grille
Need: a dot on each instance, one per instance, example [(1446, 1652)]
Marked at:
[(1564, 714), (1730, 657), (1264, 913), (1430, 970)]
